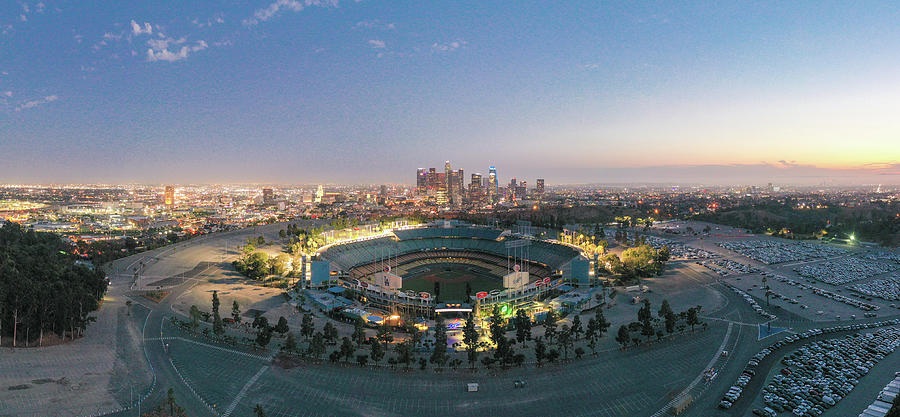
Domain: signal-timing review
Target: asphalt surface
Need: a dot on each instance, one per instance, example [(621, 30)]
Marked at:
[(212, 379)]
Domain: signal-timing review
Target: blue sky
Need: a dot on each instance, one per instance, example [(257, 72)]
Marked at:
[(343, 91)]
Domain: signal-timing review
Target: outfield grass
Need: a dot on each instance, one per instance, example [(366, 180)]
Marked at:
[(453, 282)]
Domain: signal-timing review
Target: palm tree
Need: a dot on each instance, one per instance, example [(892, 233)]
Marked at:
[(259, 411)]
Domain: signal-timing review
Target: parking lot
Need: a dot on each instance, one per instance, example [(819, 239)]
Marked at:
[(815, 377), (845, 270), (772, 251)]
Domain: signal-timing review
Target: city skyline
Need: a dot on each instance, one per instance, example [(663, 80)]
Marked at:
[(354, 92)]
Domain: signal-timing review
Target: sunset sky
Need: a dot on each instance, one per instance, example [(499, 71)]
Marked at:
[(303, 91)]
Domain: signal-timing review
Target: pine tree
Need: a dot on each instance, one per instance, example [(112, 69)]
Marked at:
[(470, 338), (236, 312), (218, 327)]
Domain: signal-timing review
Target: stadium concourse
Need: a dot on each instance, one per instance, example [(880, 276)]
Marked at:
[(475, 266)]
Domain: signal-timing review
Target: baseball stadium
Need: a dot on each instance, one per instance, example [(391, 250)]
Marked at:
[(450, 264)]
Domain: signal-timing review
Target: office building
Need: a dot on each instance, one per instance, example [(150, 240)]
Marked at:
[(169, 197)]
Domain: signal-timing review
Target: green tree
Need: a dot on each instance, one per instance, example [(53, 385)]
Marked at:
[(612, 263), (565, 340), (550, 326), (623, 337), (470, 338), (641, 261), (170, 400), (260, 241), (331, 332), (347, 348), (236, 312), (645, 319), (263, 336), (591, 334), (260, 322), (385, 335), (359, 334), (577, 328), (282, 326), (404, 353), (693, 318), (523, 326), (306, 326), (602, 324), (259, 411), (664, 309), (663, 254), (218, 327), (362, 360), (540, 350), (195, 318), (439, 354), (316, 346), (670, 322), (377, 352)]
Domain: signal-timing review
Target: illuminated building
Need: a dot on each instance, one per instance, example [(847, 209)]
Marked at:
[(476, 188), (169, 196), (539, 187), (493, 187), (268, 196), (421, 177), (320, 192)]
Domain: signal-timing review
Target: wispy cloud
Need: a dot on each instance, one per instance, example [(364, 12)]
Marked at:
[(7, 93), (374, 24), (137, 29), (218, 18), (159, 49), (38, 102), (266, 13), (377, 44), (449, 46)]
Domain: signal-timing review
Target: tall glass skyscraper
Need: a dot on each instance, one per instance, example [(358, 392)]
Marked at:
[(493, 187)]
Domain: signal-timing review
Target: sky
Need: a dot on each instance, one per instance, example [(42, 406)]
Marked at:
[(306, 91)]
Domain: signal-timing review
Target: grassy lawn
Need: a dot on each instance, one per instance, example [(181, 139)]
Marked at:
[(453, 279)]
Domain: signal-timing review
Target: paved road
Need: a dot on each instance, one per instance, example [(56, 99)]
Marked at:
[(210, 379)]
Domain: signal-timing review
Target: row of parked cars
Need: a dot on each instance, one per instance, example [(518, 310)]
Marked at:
[(885, 399), (679, 250), (726, 267), (845, 270), (886, 288), (816, 376), (773, 251), (882, 255), (756, 307), (862, 305), (750, 369)]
